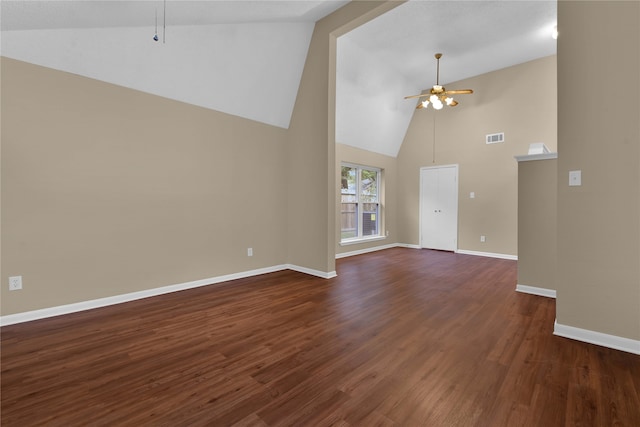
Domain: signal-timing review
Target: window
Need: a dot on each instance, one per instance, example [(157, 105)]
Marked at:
[(360, 202)]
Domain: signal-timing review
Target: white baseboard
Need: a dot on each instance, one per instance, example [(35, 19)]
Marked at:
[(410, 246), (598, 338), (118, 299), (407, 245), (488, 254), (543, 292), (312, 272), (367, 250)]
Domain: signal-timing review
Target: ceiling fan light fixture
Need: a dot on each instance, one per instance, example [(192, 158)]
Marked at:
[(438, 96)]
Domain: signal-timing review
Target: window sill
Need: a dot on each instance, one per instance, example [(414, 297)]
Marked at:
[(355, 241)]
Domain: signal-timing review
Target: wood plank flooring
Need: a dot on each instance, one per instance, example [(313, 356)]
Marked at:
[(401, 337)]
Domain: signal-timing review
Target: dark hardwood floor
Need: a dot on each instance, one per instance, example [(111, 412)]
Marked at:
[(401, 337)]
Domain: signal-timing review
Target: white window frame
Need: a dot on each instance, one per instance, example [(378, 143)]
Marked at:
[(359, 238)]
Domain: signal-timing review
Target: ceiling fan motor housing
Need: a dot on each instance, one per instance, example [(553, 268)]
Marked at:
[(438, 95)]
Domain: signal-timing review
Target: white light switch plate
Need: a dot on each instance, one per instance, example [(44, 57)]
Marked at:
[(575, 178)]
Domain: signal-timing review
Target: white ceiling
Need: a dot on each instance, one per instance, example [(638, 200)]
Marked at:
[(240, 57), (393, 56), (59, 14), (246, 57)]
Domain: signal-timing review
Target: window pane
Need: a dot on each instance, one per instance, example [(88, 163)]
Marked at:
[(348, 184), (370, 219), (360, 202), (369, 186), (349, 220)]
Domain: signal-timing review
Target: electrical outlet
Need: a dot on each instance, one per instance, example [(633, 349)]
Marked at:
[(249, 251), (483, 239), (15, 283)]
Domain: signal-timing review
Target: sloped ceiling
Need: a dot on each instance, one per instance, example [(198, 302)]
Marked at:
[(246, 57), (393, 56), (240, 57)]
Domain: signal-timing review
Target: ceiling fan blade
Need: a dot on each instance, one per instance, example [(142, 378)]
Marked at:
[(438, 94), (458, 92), (417, 96)]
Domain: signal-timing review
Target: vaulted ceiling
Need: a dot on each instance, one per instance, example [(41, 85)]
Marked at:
[(246, 57), (393, 56)]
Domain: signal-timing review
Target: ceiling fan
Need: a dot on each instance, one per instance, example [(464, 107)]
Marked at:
[(438, 96)]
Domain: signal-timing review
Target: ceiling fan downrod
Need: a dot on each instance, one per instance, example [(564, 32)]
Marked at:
[(438, 96)]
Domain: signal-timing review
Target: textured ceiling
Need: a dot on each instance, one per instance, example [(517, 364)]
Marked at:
[(58, 14), (393, 56), (246, 57), (239, 57)]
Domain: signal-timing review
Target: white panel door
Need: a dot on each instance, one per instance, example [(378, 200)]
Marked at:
[(439, 208), (429, 204)]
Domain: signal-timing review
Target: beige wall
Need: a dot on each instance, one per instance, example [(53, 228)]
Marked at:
[(311, 147), (599, 222), (537, 223), (519, 101), (106, 190), (345, 153)]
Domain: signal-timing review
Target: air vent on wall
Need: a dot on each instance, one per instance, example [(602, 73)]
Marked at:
[(495, 138)]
